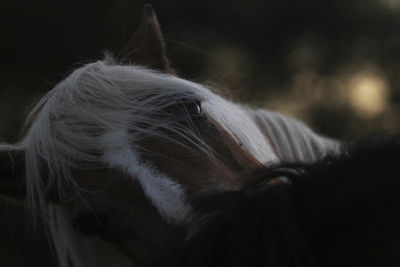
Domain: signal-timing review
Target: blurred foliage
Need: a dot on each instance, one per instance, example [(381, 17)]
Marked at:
[(334, 64)]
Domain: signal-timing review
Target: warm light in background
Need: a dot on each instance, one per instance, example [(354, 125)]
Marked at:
[(368, 94), (394, 4)]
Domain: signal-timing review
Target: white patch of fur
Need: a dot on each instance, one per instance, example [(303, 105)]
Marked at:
[(165, 194)]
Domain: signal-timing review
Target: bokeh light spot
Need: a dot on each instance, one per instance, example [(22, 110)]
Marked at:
[(368, 95)]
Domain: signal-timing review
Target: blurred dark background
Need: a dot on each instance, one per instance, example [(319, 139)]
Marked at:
[(334, 64)]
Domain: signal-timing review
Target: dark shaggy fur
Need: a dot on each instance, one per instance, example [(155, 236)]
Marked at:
[(341, 211)]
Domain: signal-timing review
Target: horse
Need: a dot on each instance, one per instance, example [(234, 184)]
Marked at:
[(124, 163)]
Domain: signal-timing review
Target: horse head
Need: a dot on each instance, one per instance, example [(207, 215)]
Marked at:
[(114, 155), (114, 152)]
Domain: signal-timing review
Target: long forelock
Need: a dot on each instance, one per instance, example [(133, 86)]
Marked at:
[(67, 125), (66, 132)]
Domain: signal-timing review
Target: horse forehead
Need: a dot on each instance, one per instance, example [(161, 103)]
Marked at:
[(169, 193), (164, 193)]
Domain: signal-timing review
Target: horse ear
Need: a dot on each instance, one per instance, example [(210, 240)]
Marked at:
[(146, 46), (12, 175)]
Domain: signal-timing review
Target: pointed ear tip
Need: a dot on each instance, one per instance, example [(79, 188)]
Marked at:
[(148, 11)]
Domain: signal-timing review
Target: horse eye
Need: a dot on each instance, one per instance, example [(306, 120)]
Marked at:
[(193, 108)]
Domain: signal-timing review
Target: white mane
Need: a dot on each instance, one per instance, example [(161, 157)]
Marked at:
[(68, 126)]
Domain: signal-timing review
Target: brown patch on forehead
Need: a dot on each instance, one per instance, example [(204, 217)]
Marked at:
[(194, 169), (238, 150), (191, 169)]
